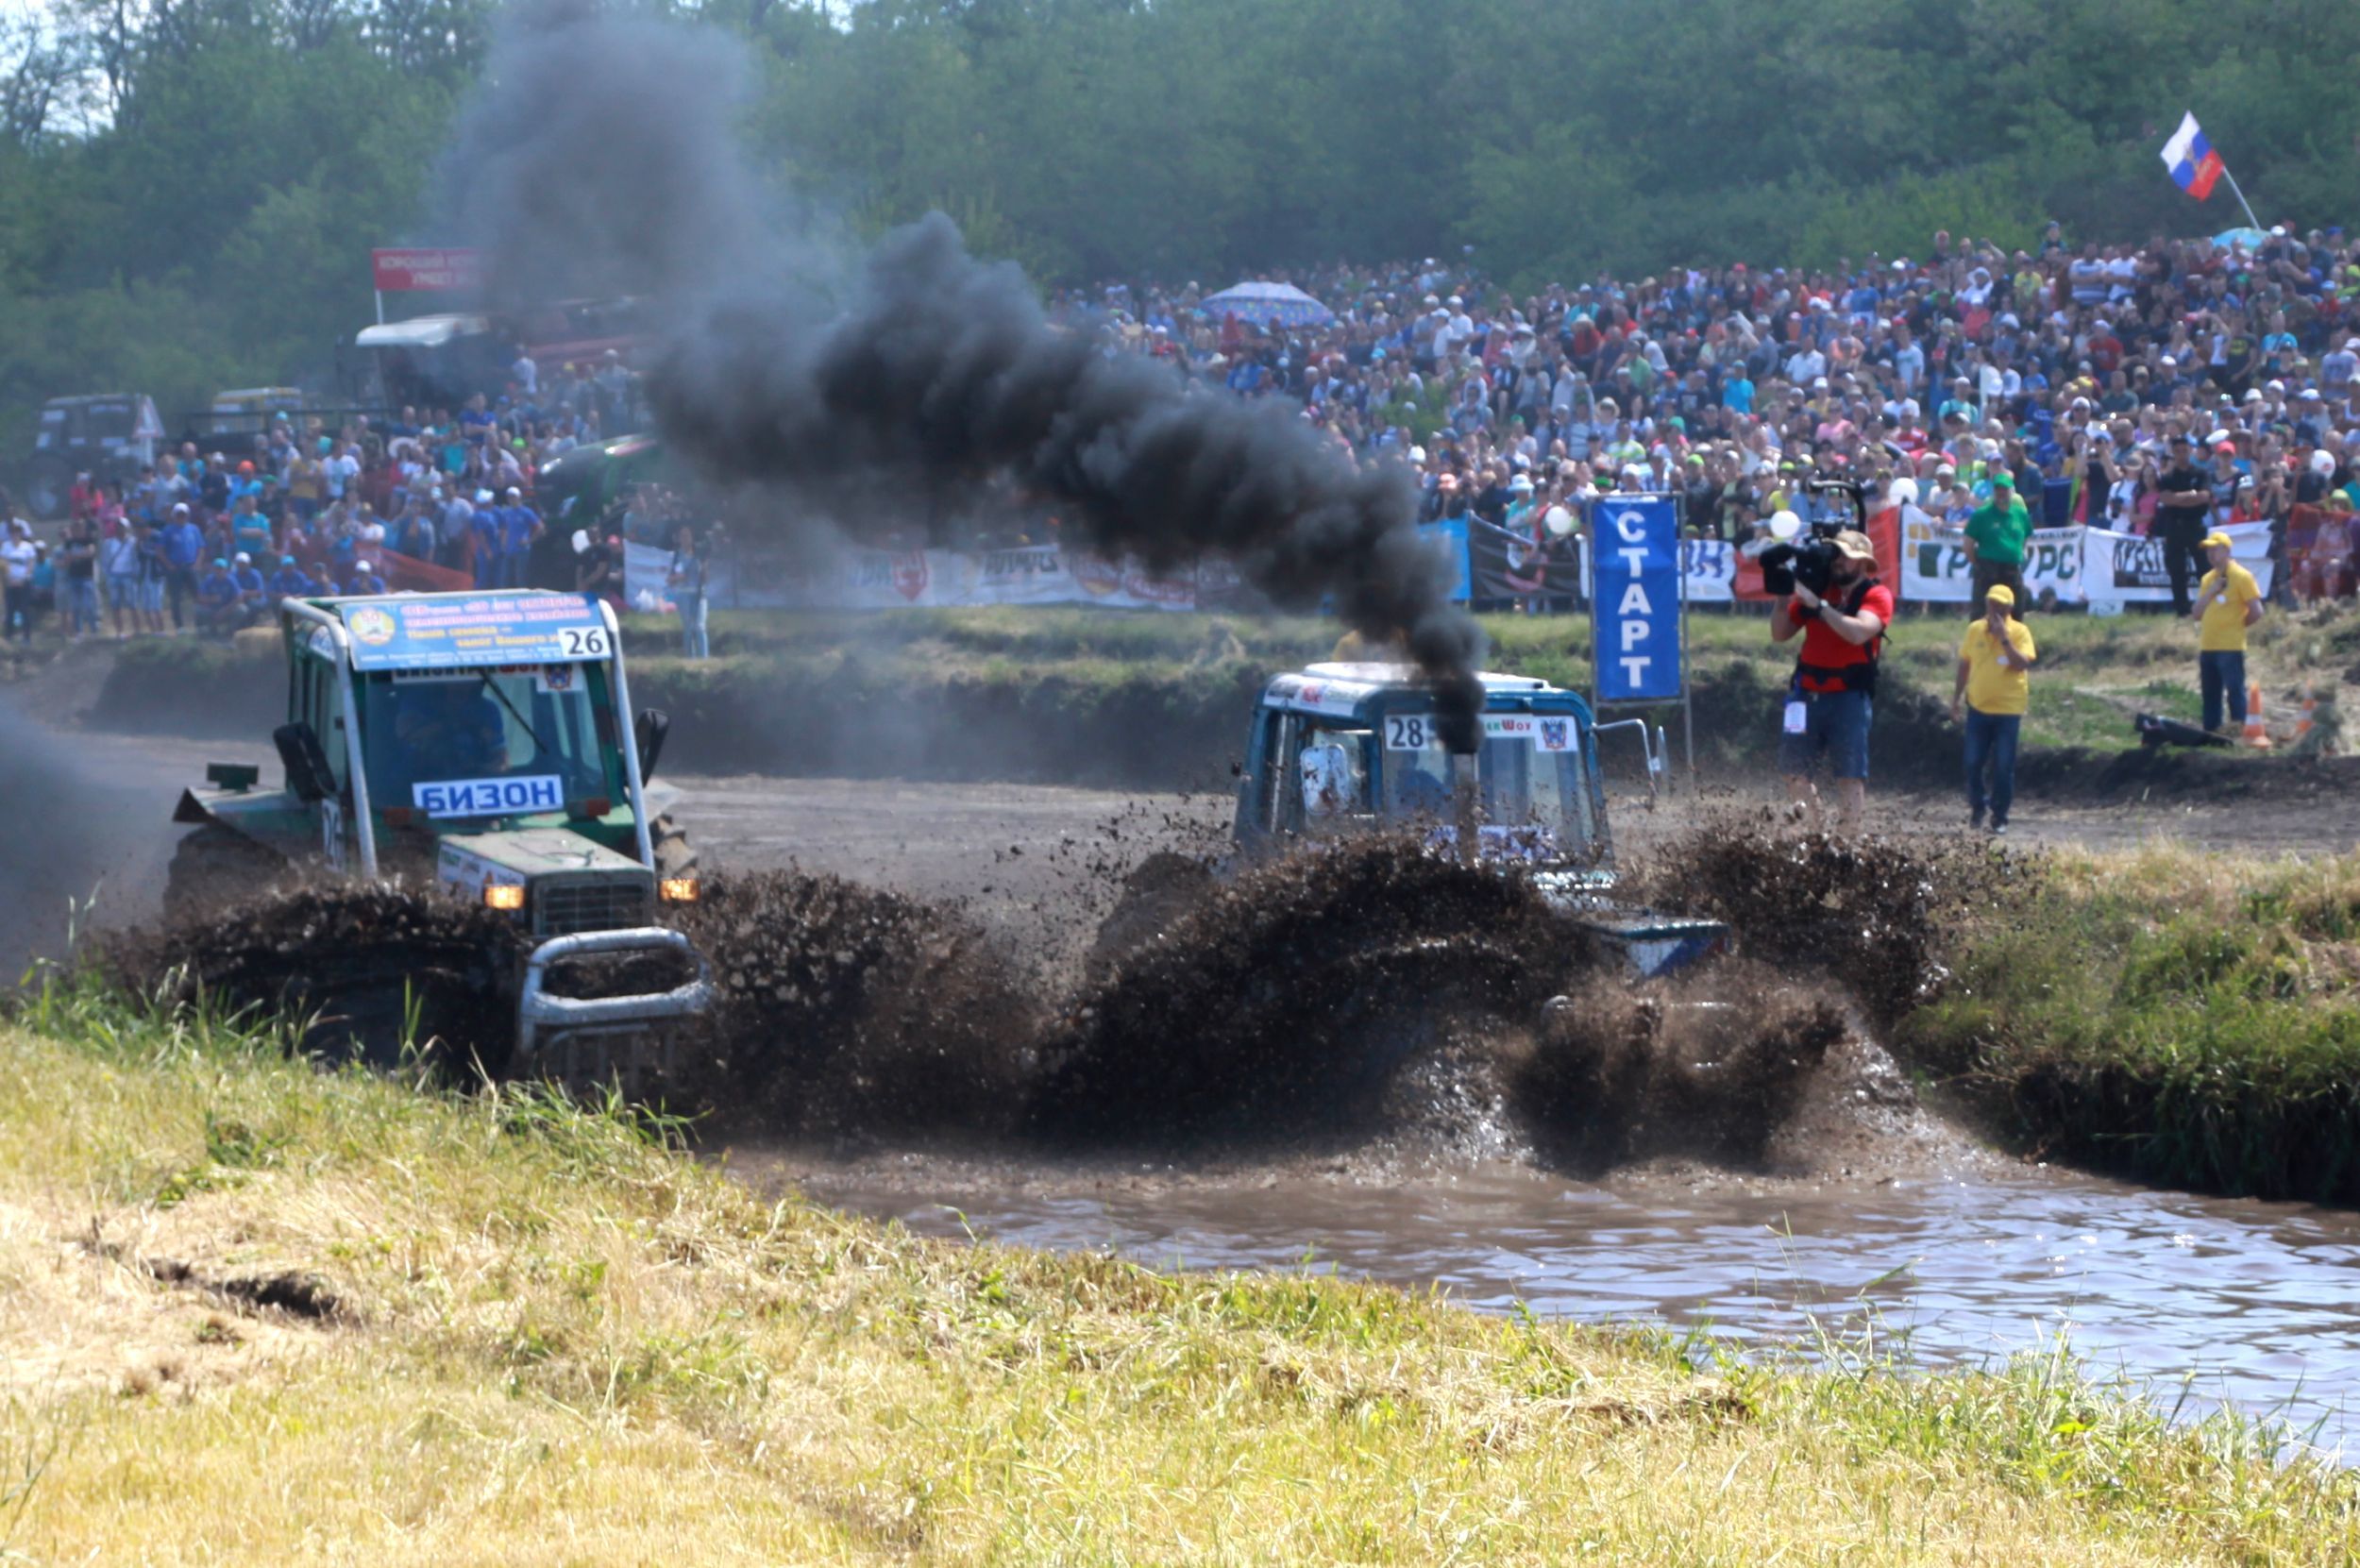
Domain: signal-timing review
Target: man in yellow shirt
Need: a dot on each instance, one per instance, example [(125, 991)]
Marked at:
[(1994, 689), (2226, 602)]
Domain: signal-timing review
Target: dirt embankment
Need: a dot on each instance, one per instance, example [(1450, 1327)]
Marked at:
[(1157, 724)]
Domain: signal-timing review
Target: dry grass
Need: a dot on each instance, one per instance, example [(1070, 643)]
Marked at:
[(555, 1342)]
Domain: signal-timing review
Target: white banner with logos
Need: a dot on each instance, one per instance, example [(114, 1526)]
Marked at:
[(1707, 571), (2123, 569), (1936, 570), (2075, 566), (940, 579)]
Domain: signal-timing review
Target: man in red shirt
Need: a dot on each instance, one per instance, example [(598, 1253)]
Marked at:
[(1831, 700)]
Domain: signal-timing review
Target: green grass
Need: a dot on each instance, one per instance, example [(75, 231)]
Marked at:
[(557, 1340), (2182, 1017)]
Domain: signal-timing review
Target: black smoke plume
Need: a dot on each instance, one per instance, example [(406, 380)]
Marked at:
[(602, 157)]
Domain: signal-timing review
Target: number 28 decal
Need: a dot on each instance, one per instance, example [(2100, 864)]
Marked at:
[(1409, 732)]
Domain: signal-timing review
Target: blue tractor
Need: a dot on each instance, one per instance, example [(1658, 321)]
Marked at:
[(1339, 748)]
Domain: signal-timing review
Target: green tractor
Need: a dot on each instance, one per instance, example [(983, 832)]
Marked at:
[(475, 740)]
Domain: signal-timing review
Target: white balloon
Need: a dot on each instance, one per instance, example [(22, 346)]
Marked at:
[(1559, 521), (1784, 525)]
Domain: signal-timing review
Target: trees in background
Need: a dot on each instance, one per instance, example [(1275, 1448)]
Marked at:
[(189, 188)]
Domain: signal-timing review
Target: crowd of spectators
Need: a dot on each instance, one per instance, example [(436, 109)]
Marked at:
[(211, 538), (2072, 367)]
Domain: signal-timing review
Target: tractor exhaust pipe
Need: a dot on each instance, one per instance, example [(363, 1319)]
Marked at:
[(1465, 802)]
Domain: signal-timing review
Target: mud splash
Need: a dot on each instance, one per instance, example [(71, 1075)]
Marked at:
[(364, 968), (1277, 1007), (850, 1015), (1336, 999), (1868, 915)]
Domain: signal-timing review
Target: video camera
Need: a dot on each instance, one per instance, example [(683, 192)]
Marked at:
[(1811, 561)]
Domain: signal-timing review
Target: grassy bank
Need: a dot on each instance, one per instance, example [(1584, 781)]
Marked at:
[(2176, 1015), (1150, 700), (511, 1331)]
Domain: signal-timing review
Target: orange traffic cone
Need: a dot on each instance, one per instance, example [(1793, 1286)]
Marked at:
[(2255, 735), (2310, 709)]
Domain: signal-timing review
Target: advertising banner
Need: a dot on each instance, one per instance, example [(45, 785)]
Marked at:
[(1448, 535), (425, 271), (1709, 570), (2123, 569), (939, 579), (1511, 563), (1636, 613), (1935, 568), (432, 633)]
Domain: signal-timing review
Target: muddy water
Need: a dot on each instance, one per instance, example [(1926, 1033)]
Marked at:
[(2258, 1303)]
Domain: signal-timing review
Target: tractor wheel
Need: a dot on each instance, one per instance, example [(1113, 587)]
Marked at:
[(673, 857), (216, 865)]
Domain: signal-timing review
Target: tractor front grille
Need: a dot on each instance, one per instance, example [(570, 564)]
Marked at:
[(561, 908)]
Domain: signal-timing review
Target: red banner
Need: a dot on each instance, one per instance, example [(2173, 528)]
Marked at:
[(1884, 537), (426, 271)]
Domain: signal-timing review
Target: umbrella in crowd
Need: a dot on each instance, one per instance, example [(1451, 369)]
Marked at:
[(1267, 304), (2252, 239)]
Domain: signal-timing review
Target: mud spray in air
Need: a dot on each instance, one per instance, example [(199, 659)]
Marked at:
[(886, 390), (1371, 996)]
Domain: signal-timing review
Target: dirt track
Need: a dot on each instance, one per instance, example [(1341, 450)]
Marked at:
[(1041, 855)]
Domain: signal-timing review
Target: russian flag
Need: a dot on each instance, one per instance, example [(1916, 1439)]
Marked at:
[(2193, 162)]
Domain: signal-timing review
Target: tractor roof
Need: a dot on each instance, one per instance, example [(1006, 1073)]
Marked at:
[(1342, 689)]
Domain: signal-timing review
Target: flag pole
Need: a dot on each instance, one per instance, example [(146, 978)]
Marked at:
[(2240, 195)]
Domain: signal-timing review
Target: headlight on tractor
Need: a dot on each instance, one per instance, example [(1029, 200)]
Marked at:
[(677, 890), (504, 895)]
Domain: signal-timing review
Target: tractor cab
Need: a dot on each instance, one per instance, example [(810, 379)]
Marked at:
[(476, 739), (1339, 748)]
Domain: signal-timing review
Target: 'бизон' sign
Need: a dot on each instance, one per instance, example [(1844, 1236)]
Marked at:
[(425, 271), (1636, 610)]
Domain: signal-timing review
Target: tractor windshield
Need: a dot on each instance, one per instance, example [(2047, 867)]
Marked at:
[(483, 743), (1534, 801)]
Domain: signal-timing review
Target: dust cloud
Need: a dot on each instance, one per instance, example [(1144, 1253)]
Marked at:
[(57, 849)]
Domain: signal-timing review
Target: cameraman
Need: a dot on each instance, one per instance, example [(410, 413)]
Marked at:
[(1829, 701)]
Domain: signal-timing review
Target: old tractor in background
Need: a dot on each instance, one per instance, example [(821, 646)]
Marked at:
[(475, 740)]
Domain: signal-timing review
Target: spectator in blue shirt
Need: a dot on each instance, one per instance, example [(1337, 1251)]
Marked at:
[(520, 526), (364, 579), (217, 602), (182, 544), (290, 581), (485, 525), (248, 581)]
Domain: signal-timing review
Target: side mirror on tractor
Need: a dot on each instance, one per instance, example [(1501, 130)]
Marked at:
[(647, 732), (308, 774)]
